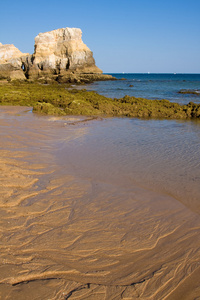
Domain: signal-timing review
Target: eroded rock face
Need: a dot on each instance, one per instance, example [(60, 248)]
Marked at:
[(11, 62), (63, 49), (9, 53), (58, 53)]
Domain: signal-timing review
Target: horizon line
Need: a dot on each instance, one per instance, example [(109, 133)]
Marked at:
[(173, 73)]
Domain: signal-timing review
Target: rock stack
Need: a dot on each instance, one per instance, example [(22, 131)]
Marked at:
[(59, 55)]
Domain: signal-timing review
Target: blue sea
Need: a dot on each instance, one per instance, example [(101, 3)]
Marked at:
[(151, 86)]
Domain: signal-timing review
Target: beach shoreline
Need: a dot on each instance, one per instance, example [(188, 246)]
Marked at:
[(66, 236)]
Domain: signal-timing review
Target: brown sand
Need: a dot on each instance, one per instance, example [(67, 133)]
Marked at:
[(63, 237)]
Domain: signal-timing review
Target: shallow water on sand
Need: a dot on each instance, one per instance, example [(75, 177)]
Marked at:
[(160, 155), (102, 209)]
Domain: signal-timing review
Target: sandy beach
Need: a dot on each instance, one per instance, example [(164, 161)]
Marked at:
[(65, 236)]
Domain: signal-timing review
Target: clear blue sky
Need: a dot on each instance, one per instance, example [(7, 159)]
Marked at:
[(124, 35)]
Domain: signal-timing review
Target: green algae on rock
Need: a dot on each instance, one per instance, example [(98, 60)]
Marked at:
[(58, 99), (194, 92)]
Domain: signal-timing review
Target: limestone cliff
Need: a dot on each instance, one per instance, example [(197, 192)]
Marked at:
[(63, 49), (59, 54)]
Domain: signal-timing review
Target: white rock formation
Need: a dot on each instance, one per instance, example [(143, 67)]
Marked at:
[(63, 49), (11, 61), (9, 53), (58, 55)]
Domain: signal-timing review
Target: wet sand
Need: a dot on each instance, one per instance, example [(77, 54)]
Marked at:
[(68, 237)]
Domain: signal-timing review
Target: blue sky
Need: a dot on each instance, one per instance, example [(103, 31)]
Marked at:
[(125, 36)]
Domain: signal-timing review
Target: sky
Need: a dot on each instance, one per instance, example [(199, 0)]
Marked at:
[(125, 36)]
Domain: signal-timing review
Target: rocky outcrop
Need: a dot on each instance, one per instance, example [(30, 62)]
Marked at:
[(11, 61), (9, 53), (59, 55), (64, 49)]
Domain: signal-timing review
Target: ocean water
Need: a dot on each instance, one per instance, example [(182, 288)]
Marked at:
[(151, 86)]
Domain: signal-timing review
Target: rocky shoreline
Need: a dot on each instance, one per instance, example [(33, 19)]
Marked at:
[(62, 99)]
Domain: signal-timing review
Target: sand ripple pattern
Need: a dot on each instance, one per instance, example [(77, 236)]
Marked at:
[(65, 237)]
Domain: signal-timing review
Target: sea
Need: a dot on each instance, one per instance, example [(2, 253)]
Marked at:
[(162, 155), (151, 86)]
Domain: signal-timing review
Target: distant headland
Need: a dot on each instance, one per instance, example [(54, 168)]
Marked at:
[(58, 55)]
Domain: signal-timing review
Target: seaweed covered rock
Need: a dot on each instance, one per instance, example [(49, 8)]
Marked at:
[(194, 92), (59, 99)]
